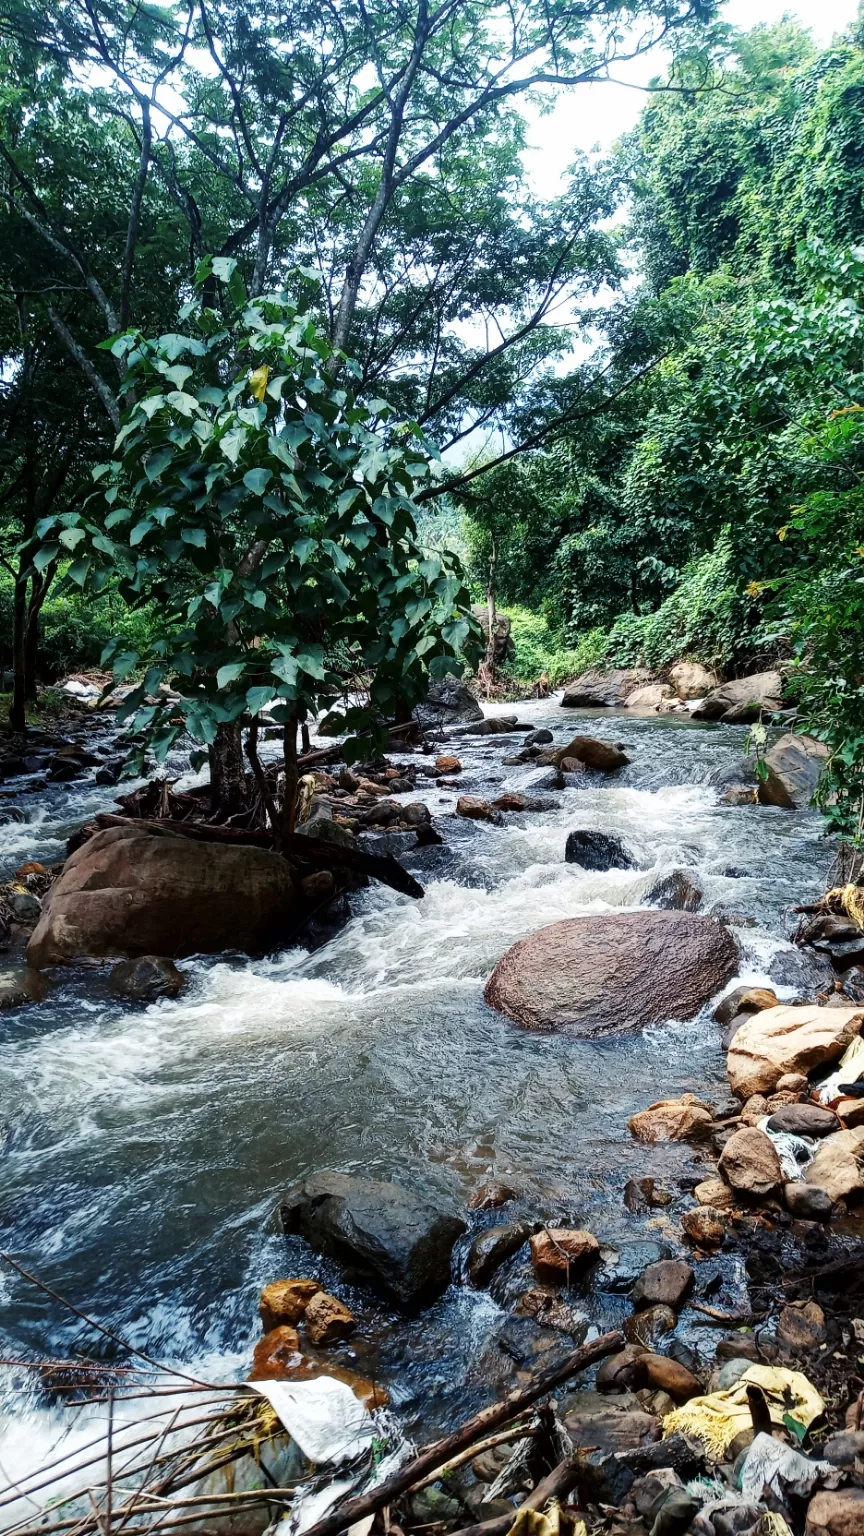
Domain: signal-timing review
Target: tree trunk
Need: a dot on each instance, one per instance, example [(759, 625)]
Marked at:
[(17, 712), (31, 653), (289, 799), (227, 773), (486, 675)]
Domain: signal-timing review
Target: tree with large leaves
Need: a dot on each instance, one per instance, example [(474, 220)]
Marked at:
[(266, 515)]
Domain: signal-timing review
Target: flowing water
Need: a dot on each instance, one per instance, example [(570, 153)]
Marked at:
[(145, 1147)]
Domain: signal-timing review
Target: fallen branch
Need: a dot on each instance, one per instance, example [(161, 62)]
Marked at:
[(487, 1419), (507, 1437), (315, 851), (556, 1485)]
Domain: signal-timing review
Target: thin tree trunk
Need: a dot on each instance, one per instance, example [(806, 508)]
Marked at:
[(31, 653), (486, 676), (17, 710), (227, 773), (289, 799)]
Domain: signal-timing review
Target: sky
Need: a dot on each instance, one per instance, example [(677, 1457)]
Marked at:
[(596, 115)]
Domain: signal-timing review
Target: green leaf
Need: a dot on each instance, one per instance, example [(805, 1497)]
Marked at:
[(285, 668), (196, 536), (71, 537), (229, 673), (312, 661), (157, 462), (337, 555), (256, 698), (140, 531), (43, 557), (150, 405), (179, 374), (257, 480), (303, 549), (78, 571)]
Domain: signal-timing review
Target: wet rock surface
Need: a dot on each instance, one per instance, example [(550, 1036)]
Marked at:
[(605, 976)]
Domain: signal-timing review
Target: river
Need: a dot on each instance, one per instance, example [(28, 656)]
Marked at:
[(145, 1147)]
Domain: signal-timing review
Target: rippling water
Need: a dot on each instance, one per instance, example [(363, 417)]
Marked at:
[(145, 1147)]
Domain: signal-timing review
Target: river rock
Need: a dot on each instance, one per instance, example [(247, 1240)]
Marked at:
[(20, 984), (788, 1039), (836, 1514), (844, 1449), (146, 978), (807, 1203), (608, 975), (715, 1194), (447, 764), (394, 1239), (602, 756), (283, 1302), (665, 1284), (278, 1357), (563, 1254), (474, 809), (691, 680), (804, 1120), (801, 1325), (704, 1228), (743, 700), (148, 892), (683, 1119), (617, 1373), (24, 906), (541, 738), (491, 1195), (649, 696), (744, 1000), (448, 702), (597, 850), (794, 766), (836, 1167), (490, 1249), (674, 893), (666, 1375), (604, 689), (650, 1325), (617, 1425), (328, 1320), (749, 1161)]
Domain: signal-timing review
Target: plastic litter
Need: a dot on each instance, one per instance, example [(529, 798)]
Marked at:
[(782, 1468), (339, 1437), (719, 1417), (849, 1069), (795, 1152)]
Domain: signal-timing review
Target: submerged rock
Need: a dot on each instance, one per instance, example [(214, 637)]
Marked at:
[(146, 892), (606, 689), (394, 1239), (490, 1249), (674, 893), (609, 975), (20, 984), (146, 978), (597, 850), (602, 756)]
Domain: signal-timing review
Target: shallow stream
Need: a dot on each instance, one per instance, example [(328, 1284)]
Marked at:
[(145, 1147)]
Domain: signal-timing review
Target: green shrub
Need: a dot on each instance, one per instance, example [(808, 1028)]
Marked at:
[(73, 631), (537, 648)]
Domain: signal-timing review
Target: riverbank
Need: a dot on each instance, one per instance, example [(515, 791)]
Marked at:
[(148, 1148)]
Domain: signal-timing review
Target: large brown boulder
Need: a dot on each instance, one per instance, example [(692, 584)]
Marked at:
[(743, 700), (836, 1514), (150, 892), (598, 976), (691, 680), (606, 690), (794, 765), (602, 756), (776, 1041)]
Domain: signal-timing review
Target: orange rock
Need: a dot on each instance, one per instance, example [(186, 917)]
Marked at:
[(377, 791), (275, 1354), (473, 808), (285, 1301), (448, 764), (33, 868), (716, 1193), (705, 1228), (509, 803), (278, 1358), (563, 1254), (328, 1319), (671, 1120)]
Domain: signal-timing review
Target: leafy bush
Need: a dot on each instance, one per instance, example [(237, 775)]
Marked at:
[(537, 648), (706, 618), (74, 631)]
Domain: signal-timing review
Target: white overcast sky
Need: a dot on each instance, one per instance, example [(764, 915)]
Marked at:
[(596, 115)]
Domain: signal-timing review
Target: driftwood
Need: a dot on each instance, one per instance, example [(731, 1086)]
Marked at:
[(322, 855), (556, 1485), (444, 1450)]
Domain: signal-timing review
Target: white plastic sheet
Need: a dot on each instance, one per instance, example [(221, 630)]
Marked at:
[(323, 1416)]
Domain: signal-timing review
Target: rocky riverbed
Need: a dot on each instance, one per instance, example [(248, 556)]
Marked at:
[(147, 1149)]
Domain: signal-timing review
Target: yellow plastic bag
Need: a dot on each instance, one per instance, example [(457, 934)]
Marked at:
[(718, 1418)]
